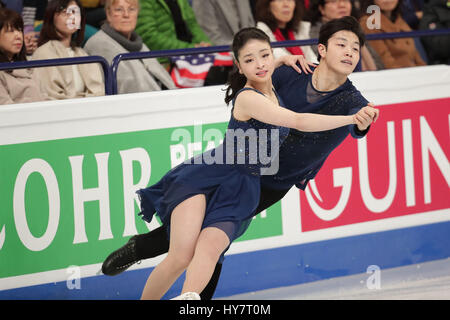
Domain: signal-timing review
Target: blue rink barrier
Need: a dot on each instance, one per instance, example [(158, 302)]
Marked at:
[(110, 71), (282, 266), (277, 267), (64, 62), (279, 44)]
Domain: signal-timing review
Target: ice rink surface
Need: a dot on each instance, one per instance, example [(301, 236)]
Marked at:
[(424, 281)]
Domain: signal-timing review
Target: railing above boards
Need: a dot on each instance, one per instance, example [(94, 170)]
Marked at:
[(110, 71), (378, 36), (290, 43), (63, 62)]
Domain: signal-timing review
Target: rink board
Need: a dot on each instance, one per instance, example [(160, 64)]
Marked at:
[(69, 170)]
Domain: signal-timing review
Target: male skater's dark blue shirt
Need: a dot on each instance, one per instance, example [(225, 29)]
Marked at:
[(302, 154)]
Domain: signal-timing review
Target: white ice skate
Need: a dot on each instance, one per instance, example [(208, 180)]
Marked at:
[(188, 296)]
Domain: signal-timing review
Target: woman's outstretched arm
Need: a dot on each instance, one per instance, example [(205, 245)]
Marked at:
[(250, 104)]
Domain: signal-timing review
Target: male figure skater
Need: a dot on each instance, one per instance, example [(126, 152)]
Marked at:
[(326, 91)]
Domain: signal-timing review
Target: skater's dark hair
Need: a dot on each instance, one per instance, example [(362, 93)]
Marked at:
[(237, 81), (347, 23)]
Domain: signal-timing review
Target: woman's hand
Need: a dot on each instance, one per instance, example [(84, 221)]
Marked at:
[(31, 40), (292, 60)]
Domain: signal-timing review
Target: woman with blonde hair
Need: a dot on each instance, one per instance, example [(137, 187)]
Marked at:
[(117, 35)]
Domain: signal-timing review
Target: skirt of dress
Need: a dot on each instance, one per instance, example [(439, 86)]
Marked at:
[(231, 196)]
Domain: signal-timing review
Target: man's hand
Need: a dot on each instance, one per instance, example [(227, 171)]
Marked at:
[(365, 116)]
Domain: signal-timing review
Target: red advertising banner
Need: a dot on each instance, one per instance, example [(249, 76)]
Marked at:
[(400, 168)]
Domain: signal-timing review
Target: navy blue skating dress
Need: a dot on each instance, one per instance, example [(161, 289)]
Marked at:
[(228, 176)]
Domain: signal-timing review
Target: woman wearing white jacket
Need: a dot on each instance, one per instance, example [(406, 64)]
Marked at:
[(281, 21)]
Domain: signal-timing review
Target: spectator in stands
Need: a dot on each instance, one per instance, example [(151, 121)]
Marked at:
[(221, 19), (436, 15), (95, 12), (117, 36), (252, 6), (15, 5), (33, 15), (61, 37), (395, 53), (18, 85), (281, 20), (322, 11), (169, 24), (412, 12)]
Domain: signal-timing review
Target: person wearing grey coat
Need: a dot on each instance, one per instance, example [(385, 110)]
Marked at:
[(221, 19), (133, 75), (118, 35)]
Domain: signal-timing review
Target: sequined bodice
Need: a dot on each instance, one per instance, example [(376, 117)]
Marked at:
[(252, 145)]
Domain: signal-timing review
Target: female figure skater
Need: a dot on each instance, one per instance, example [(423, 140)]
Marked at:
[(332, 94), (204, 207)]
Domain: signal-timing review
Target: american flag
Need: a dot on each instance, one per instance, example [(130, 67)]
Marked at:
[(223, 59), (191, 71)]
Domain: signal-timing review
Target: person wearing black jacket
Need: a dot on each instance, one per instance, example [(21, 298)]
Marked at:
[(436, 15)]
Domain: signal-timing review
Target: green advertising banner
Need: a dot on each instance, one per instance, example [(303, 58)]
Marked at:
[(72, 201)]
